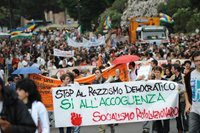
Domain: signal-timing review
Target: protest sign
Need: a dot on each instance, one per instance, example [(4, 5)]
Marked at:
[(44, 84), (144, 70), (61, 53), (115, 103)]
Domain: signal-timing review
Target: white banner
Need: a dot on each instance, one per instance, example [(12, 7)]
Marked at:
[(86, 43), (61, 53), (115, 103)]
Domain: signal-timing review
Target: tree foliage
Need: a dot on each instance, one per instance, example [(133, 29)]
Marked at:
[(194, 21), (185, 14), (9, 10), (115, 20), (181, 18), (115, 13), (170, 7), (195, 4), (89, 11)]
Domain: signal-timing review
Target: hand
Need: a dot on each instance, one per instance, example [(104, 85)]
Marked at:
[(179, 88), (5, 126), (188, 107), (7, 84), (140, 77)]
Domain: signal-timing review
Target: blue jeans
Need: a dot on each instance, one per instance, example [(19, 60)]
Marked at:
[(146, 126), (61, 130), (184, 118), (76, 129), (194, 123)]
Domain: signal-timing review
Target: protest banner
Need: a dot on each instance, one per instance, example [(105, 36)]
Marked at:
[(86, 43), (44, 84), (115, 103), (59, 72), (61, 53)]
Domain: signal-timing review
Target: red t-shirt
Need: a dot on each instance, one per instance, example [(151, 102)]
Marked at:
[(83, 64), (14, 60)]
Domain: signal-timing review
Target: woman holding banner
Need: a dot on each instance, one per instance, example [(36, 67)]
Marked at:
[(161, 128), (29, 94), (68, 80)]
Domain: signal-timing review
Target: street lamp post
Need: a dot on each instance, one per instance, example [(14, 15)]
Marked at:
[(10, 14), (79, 14)]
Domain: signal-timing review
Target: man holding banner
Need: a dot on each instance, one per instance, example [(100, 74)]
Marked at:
[(99, 79)]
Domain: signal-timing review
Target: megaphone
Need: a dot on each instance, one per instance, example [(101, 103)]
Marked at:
[(110, 79)]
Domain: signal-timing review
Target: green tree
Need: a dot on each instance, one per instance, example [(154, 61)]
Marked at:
[(181, 17), (170, 7), (35, 9), (11, 8), (195, 4), (194, 21), (89, 11), (115, 20), (115, 13)]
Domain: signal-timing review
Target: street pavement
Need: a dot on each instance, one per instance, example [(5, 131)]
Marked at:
[(121, 128)]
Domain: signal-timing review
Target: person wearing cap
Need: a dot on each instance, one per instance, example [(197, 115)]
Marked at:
[(15, 117)]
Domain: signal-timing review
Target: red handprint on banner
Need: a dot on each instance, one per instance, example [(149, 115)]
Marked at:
[(76, 119)]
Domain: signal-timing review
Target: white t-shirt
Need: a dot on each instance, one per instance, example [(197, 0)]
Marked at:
[(195, 86), (133, 75), (24, 63), (40, 61), (1, 74), (70, 64)]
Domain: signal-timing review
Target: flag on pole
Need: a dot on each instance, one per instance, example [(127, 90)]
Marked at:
[(28, 28), (66, 37), (79, 31), (99, 61), (22, 35), (165, 18), (114, 43), (107, 24)]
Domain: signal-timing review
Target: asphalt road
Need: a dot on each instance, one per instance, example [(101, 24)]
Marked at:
[(121, 128)]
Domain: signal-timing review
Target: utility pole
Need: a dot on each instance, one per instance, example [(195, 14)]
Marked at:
[(79, 14)]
